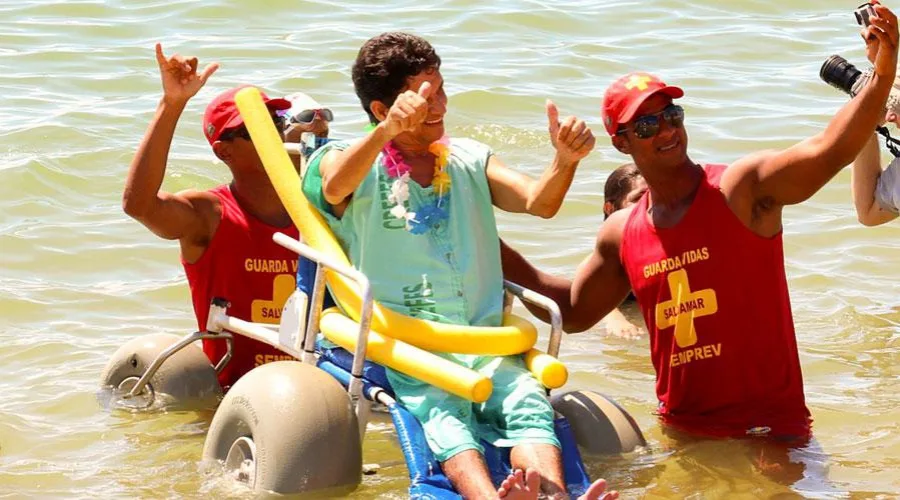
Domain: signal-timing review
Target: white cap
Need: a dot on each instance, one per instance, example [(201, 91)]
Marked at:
[(301, 102)]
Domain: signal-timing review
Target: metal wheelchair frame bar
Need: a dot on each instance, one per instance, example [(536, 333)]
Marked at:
[(172, 349), (544, 302)]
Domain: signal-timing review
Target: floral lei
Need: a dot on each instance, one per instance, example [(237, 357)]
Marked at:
[(426, 216)]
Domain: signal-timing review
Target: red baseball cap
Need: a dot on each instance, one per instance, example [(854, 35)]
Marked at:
[(625, 95), (222, 114)]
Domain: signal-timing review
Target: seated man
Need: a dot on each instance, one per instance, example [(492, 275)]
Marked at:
[(413, 210), (225, 233)]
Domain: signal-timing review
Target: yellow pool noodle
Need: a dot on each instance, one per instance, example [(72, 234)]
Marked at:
[(548, 370), (407, 359), (515, 337)]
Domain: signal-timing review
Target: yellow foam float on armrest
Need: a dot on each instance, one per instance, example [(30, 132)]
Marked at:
[(549, 371), (408, 359)]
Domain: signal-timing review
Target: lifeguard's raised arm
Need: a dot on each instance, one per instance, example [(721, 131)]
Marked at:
[(795, 174), (170, 216)]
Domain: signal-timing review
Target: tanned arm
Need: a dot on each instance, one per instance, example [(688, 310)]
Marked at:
[(773, 180), (599, 286), (343, 171), (170, 216), (514, 192)]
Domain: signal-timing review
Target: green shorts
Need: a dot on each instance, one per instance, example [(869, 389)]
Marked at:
[(517, 412)]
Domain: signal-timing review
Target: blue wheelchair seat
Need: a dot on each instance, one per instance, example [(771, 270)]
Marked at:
[(426, 480), (338, 362)]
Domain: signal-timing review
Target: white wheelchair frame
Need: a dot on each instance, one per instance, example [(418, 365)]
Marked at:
[(301, 345)]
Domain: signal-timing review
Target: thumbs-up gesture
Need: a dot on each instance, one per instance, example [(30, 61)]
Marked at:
[(409, 110), (180, 79), (572, 138)]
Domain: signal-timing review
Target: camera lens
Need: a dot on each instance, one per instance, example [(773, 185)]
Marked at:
[(839, 73)]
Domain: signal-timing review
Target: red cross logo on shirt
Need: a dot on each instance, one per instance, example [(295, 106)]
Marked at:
[(684, 307)]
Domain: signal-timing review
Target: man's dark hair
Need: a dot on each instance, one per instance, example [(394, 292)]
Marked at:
[(618, 185), (385, 62)]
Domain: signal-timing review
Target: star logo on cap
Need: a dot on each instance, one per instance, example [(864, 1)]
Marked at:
[(639, 81)]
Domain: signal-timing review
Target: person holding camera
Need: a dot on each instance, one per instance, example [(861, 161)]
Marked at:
[(876, 193), (702, 251)]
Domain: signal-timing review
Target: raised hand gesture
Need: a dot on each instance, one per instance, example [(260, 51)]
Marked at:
[(882, 41), (179, 76), (409, 110), (572, 138)]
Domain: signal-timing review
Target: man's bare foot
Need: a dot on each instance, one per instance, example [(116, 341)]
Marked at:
[(597, 491), (521, 485)]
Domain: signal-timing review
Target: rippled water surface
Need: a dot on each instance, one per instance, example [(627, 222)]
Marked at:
[(78, 278)]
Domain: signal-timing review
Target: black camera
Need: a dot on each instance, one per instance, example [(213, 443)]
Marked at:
[(840, 74), (863, 13)]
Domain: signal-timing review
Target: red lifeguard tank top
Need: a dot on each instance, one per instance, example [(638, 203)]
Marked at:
[(256, 275), (715, 299)]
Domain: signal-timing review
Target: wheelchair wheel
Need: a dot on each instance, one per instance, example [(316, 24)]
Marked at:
[(186, 378), (287, 427), (600, 426)]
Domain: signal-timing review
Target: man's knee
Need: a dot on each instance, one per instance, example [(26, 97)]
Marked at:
[(446, 420)]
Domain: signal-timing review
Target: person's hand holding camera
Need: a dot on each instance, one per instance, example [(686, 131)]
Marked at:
[(882, 37)]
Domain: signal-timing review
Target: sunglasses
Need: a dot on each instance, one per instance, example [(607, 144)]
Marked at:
[(308, 115), (647, 126), (243, 133)]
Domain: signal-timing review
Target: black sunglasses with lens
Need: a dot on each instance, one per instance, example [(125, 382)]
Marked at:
[(308, 115), (242, 132), (647, 126)]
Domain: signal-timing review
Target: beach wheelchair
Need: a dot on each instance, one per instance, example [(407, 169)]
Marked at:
[(298, 426)]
